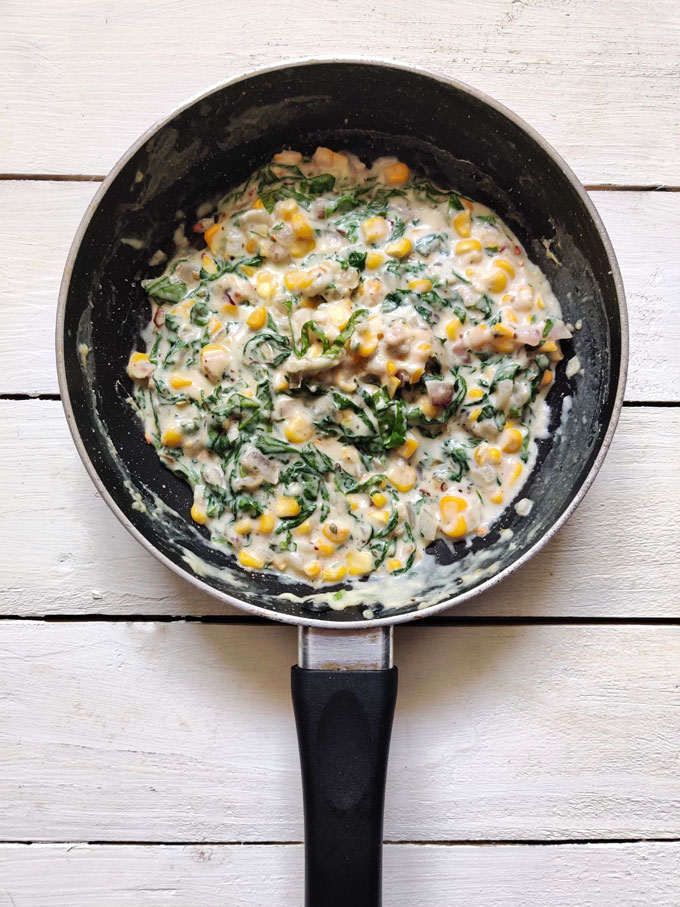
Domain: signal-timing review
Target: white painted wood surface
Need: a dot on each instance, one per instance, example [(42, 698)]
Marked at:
[(90, 564), (599, 80), (644, 227), (183, 732), (600, 875), (124, 731)]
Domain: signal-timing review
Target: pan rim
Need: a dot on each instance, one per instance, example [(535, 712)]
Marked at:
[(415, 613)]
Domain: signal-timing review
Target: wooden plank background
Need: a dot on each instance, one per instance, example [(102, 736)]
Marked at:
[(147, 749)]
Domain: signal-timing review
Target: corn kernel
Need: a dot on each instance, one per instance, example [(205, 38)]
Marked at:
[(468, 245), (503, 330), (509, 315), (287, 157), (379, 499), (546, 378), (540, 303), (497, 282), (393, 564), (461, 223), (359, 563), (258, 204), (354, 501), (548, 347), (312, 569), (230, 309), (375, 229), (452, 328), (334, 573), (511, 440), (287, 507), (503, 344), (475, 414), (301, 226), (408, 448), (210, 236), (481, 454), (494, 454), (265, 524), (346, 385), (171, 437), (335, 533), (475, 393), (339, 315), (505, 265), (400, 248), (374, 260), (208, 264), (297, 280), (243, 527), (402, 477), (257, 318), (139, 357), (302, 247), (368, 345), (420, 286), (424, 347), (198, 515), (391, 367), (429, 410), (177, 382), (324, 547), (246, 559), (395, 174), (392, 385), (516, 473), (288, 208), (304, 528), (299, 429), (381, 517), (281, 383), (456, 529), (496, 497), (251, 246), (450, 506)]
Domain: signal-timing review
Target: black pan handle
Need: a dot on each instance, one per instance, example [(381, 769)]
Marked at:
[(344, 723)]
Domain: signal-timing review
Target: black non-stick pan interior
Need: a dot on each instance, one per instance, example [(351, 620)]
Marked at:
[(445, 132)]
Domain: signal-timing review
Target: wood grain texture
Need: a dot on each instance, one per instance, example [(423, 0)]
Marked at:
[(183, 732), (80, 875), (65, 552), (80, 87), (644, 227)]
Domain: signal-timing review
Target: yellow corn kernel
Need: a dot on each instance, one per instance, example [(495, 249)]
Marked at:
[(497, 282), (509, 315), (503, 330), (512, 440), (402, 477), (374, 260), (494, 455), (243, 527), (456, 529), (246, 559), (503, 344), (335, 533), (339, 315), (265, 524), (540, 303), (429, 410), (288, 208), (304, 528), (475, 393), (297, 280), (393, 564), (354, 501), (516, 473), (359, 562), (302, 247), (461, 223), (208, 264), (334, 573), (481, 454), (424, 347), (408, 448), (416, 375), (171, 437), (450, 506), (301, 226), (324, 547), (475, 414), (546, 378), (210, 236), (420, 286), (230, 309), (392, 385), (368, 345), (257, 318), (468, 245), (395, 174), (548, 347), (379, 499), (177, 381), (452, 328), (287, 507), (287, 157), (400, 248), (251, 246), (381, 517), (312, 569), (505, 265), (138, 357), (198, 515), (281, 383), (469, 272), (299, 429), (258, 204), (346, 385), (391, 367), (375, 229)]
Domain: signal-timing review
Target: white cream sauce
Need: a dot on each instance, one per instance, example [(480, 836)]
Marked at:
[(353, 364)]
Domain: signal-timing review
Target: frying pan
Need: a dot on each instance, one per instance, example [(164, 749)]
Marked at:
[(344, 687)]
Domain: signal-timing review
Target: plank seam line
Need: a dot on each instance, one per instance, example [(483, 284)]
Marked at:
[(472, 842), (244, 620)]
